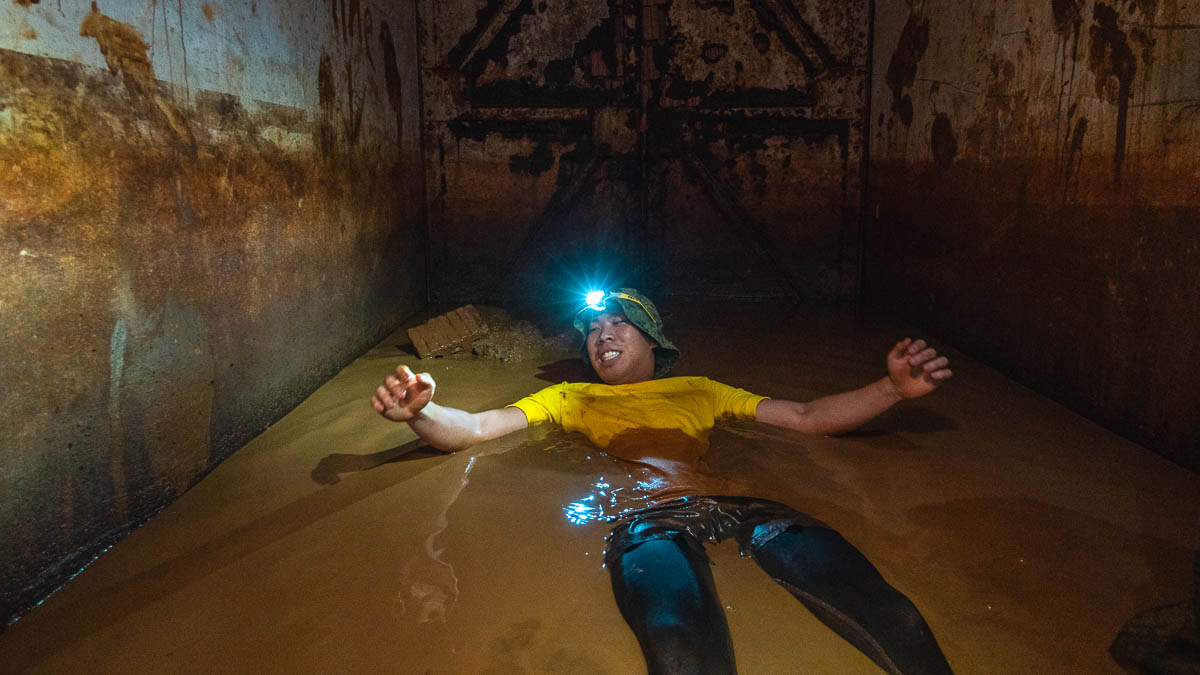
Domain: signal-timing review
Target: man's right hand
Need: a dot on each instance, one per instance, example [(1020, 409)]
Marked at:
[(402, 396)]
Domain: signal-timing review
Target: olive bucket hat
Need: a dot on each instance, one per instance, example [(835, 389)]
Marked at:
[(641, 313)]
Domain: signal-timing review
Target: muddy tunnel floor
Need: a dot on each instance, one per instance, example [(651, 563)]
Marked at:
[(334, 542)]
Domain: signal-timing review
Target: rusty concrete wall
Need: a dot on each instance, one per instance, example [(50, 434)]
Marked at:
[(1034, 194), (688, 146), (205, 210)]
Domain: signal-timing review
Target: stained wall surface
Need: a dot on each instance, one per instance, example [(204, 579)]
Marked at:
[(1035, 186), (206, 209), (699, 146)]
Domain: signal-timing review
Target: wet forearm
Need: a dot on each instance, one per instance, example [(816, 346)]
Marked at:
[(453, 429), (850, 410), (834, 414), (446, 428)]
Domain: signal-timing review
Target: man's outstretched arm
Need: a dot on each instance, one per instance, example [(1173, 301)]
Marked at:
[(405, 397), (913, 370)]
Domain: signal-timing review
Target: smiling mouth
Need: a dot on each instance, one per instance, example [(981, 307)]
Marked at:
[(609, 356)]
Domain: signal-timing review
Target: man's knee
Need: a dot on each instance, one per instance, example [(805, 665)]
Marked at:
[(661, 568)]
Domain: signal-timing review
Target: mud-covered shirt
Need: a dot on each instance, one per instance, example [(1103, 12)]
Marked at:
[(669, 417)]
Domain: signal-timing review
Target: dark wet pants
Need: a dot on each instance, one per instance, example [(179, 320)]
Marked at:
[(664, 587)]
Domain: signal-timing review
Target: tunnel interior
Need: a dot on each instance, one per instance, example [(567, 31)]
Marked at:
[(209, 209)]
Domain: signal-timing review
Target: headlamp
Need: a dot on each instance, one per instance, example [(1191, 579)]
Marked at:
[(594, 300), (598, 300)]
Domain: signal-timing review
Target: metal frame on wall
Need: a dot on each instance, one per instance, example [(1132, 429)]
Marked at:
[(620, 101)]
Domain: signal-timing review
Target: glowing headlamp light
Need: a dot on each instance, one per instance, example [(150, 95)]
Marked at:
[(597, 301)]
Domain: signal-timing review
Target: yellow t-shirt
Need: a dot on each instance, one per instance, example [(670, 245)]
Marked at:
[(644, 418)]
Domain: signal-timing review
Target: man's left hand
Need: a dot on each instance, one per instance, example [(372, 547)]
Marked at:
[(915, 369)]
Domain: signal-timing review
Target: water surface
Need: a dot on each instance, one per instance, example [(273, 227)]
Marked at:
[(333, 542)]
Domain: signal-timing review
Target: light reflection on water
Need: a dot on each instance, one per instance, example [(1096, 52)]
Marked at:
[(603, 490), (606, 503), (583, 511)]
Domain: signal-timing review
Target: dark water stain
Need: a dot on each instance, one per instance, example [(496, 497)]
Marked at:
[(1068, 21), (355, 17), (942, 141), (1111, 57), (1074, 156), (354, 24), (391, 74), (902, 70), (327, 97), (1076, 143), (1068, 16), (904, 108), (356, 103)]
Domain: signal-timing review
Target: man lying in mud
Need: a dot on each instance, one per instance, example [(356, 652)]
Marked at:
[(660, 571)]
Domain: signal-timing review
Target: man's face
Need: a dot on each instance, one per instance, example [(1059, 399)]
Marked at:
[(620, 353)]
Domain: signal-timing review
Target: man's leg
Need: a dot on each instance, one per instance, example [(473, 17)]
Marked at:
[(665, 592), (845, 591)]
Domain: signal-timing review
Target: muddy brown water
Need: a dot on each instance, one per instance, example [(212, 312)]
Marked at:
[(333, 543)]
